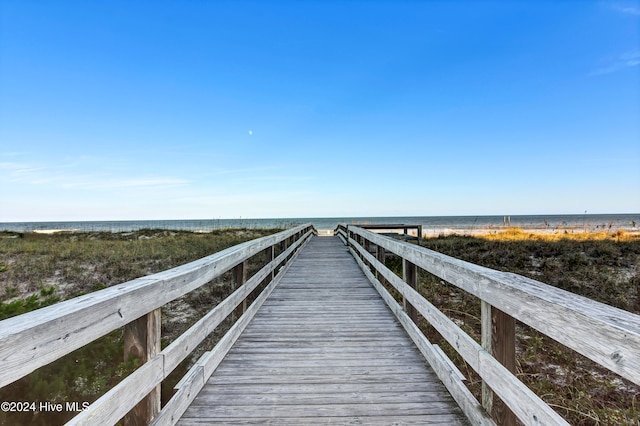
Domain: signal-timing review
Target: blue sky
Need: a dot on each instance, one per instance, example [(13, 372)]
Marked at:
[(194, 109)]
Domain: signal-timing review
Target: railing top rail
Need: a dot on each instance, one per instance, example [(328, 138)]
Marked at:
[(605, 334), (37, 338), (380, 225)]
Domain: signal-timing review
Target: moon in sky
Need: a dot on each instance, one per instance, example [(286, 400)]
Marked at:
[(250, 132)]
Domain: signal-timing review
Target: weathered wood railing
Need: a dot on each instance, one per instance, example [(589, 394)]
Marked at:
[(607, 335), (32, 340)]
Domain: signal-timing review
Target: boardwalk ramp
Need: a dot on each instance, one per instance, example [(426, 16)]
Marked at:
[(324, 348)]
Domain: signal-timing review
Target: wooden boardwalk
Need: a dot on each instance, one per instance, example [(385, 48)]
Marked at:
[(324, 348)]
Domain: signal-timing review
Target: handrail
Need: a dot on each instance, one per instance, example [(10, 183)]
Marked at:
[(607, 335), (37, 338)]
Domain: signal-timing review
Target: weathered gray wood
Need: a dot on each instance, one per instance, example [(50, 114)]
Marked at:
[(203, 409), (447, 372), (208, 363), (126, 393), (180, 401), (269, 254), (410, 276), (186, 390), (503, 349), (142, 341), (318, 398), (380, 255), (389, 227), (485, 337), (178, 350), (295, 363), (607, 335), (240, 277), (427, 419), (302, 389), (34, 339), (529, 408)]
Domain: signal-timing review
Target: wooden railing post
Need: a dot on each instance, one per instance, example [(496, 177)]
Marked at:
[(142, 341), (380, 255), (499, 339), (240, 277), (485, 337), (367, 247), (410, 276), (269, 254)]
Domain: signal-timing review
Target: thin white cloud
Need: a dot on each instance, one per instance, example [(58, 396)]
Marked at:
[(626, 60), (246, 170), (11, 154), (60, 177), (257, 175), (132, 183), (626, 9), (21, 172)]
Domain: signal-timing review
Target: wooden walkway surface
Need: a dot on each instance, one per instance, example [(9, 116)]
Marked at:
[(324, 348)]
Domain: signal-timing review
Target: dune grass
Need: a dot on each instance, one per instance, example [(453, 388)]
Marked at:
[(519, 234)]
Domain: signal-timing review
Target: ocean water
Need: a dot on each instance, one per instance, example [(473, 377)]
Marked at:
[(432, 225)]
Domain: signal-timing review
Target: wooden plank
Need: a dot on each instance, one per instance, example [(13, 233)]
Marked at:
[(247, 390), (285, 351), (337, 409), (313, 398), (503, 349), (378, 379), (485, 337), (142, 341), (307, 356), (240, 277), (317, 370), (269, 253), (426, 419), (607, 335), (410, 276)]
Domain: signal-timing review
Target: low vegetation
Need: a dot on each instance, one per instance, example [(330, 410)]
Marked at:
[(37, 270), (603, 267)]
